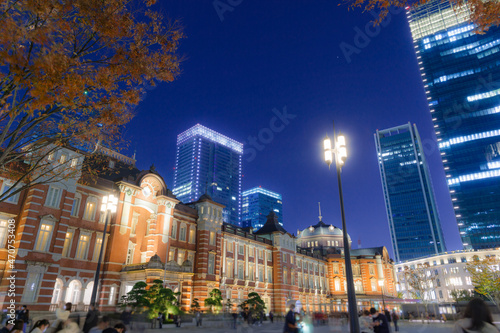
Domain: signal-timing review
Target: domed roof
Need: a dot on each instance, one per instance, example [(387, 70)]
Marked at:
[(322, 229)]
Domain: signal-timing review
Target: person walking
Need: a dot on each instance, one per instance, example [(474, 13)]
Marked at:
[(365, 322), (40, 326), (395, 319), (380, 323), (91, 319), (477, 319), (290, 321), (271, 316), (24, 315)]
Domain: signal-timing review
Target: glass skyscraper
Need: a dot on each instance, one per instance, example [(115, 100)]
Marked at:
[(409, 196), (461, 75), (208, 162), (257, 204)]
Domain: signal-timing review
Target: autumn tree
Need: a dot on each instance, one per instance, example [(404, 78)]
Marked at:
[(484, 13), (420, 282), (71, 74), (485, 277)]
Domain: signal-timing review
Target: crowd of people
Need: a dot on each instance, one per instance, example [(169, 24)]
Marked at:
[(65, 322), (477, 318)]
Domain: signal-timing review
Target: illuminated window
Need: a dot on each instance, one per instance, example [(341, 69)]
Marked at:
[(43, 240), (83, 246), (112, 294), (182, 233), (212, 238), (192, 235), (211, 263), (67, 243), (90, 209), (3, 232), (97, 248)]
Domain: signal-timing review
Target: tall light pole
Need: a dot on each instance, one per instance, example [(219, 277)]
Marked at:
[(340, 153), (108, 207), (381, 284)]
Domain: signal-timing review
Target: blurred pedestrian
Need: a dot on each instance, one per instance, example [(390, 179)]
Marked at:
[(91, 319), (290, 321), (101, 325), (477, 319), (271, 316), (24, 315), (365, 322), (395, 319), (8, 327), (40, 326), (380, 323), (18, 327)]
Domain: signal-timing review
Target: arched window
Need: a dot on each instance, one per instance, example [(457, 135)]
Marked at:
[(73, 292), (56, 294), (88, 293)]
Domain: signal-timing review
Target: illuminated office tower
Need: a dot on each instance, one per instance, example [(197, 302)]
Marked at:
[(257, 204), (461, 75), (208, 162), (409, 197)]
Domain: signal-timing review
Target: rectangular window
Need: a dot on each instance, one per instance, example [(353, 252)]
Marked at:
[(180, 257), (261, 254), (372, 270), (112, 294), (13, 198), (337, 284), (53, 197), (43, 241), (212, 238), (284, 257), (31, 287), (75, 208), (241, 250), (230, 269), (182, 233), (240, 271), (173, 233), (251, 273), (83, 246), (211, 263), (90, 209), (135, 220), (3, 233), (261, 274), (374, 285), (269, 275), (67, 243), (192, 235), (230, 247), (171, 255), (336, 269), (97, 248)]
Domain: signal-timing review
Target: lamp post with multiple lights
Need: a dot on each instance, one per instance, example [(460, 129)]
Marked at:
[(108, 207), (340, 153)]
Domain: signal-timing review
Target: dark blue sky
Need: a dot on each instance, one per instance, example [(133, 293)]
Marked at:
[(267, 55)]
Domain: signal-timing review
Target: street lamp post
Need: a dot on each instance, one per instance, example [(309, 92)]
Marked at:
[(108, 207), (381, 284), (340, 153)]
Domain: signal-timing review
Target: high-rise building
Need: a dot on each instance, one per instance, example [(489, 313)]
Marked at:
[(461, 74), (208, 162), (257, 203), (409, 196)]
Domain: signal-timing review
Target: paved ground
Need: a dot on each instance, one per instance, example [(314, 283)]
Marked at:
[(405, 327)]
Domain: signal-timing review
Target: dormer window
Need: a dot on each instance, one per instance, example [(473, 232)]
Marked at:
[(111, 164), (63, 158)]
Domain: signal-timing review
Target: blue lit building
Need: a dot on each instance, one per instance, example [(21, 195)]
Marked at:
[(461, 75), (409, 196), (257, 204), (208, 162)]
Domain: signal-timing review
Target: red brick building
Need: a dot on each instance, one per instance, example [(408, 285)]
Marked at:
[(154, 236)]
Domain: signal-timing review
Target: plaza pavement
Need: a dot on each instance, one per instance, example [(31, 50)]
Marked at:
[(267, 327)]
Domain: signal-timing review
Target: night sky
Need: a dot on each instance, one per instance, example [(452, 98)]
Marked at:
[(267, 55)]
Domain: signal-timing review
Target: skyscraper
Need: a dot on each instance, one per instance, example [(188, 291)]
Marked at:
[(257, 203), (461, 74), (409, 197), (208, 162)]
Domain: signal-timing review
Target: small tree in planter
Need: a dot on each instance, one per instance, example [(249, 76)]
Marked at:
[(214, 301), (195, 305)]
